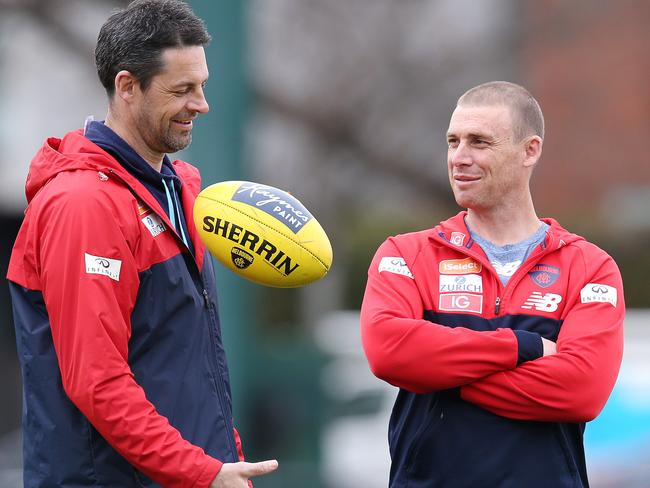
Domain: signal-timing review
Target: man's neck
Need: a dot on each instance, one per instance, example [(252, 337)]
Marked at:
[(137, 144), (504, 226)]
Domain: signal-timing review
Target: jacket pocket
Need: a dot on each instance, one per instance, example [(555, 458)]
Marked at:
[(434, 418), (568, 454)]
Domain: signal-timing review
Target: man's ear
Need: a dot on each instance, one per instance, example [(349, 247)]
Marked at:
[(125, 85), (533, 150)]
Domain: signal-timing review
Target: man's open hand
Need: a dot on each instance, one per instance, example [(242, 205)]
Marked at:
[(235, 475)]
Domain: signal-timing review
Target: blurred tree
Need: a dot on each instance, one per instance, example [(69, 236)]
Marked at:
[(354, 98), (60, 18)]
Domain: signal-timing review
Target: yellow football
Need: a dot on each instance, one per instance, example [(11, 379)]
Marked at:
[(262, 233)]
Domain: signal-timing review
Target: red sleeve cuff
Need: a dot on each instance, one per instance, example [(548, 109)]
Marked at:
[(209, 473)]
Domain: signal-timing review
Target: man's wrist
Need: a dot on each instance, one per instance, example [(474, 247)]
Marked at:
[(209, 473), (529, 346)]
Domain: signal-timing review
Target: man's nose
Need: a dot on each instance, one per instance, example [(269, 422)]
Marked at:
[(199, 103), (459, 155)]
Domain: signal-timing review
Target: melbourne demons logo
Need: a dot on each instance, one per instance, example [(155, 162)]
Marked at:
[(544, 275)]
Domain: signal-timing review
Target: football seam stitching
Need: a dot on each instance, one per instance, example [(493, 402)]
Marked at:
[(271, 228)]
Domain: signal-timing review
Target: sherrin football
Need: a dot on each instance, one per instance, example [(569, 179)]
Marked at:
[(262, 233)]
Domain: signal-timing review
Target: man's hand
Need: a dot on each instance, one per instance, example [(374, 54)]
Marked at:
[(550, 347), (235, 475)]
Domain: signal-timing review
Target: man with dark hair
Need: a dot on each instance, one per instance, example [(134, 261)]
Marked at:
[(124, 373), (503, 332)]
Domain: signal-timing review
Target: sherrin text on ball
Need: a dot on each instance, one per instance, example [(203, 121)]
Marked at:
[(262, 233)]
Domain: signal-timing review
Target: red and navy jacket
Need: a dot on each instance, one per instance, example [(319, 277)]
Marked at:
[(124, 373), (478, 403)]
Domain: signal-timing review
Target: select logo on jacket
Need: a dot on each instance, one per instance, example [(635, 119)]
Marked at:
[(597, 292), (103, 266), (395, 264), (459, 266), (459, 275), (544, 303)]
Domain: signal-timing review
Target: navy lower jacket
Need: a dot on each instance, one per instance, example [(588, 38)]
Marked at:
[(439, 440)]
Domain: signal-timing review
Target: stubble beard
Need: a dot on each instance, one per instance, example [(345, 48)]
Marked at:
[(175, 142), (163, 139)]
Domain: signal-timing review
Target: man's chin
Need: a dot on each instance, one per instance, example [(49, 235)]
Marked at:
[(178, 144), (464, 201)]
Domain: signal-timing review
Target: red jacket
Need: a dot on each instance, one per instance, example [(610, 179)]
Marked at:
[(436, 318), (117, 327)]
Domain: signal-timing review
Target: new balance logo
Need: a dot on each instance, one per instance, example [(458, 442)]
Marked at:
[(543, 303)]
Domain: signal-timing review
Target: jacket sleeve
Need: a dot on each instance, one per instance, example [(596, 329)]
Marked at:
[(572, 385), (410, 352), (240, 452), (82, 242)]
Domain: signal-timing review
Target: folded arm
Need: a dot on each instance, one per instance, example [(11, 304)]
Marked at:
[(410, 352), (573, 384)]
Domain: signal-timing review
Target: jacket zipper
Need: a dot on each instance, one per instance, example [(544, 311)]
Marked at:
[(487, 264), (525, 266), (219, 382)]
